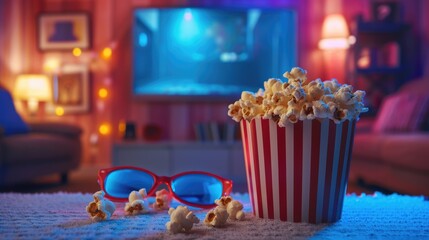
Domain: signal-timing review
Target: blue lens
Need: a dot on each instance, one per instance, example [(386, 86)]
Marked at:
[(121, 182), (197, 188)]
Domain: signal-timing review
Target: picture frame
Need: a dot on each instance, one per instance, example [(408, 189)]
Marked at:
[(71, 89), (385, 11), (63, 31)]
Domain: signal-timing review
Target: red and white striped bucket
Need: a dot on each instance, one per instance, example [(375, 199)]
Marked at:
[(297, 173)]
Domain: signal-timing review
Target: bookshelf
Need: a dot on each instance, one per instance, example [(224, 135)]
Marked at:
[(381, 58), (217, 132)]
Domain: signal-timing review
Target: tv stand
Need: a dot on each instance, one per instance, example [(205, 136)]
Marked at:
[(168, 158)]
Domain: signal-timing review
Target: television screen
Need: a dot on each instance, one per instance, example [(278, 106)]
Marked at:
[(189, 53)]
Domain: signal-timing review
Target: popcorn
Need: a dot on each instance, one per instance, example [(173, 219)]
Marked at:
[(294, 100), (181, 220), (272, 86), (321, 109), (216, 217), (359, 95), (233, 207), (333, 85), (136, 203), (339, 115), (162, 200), (292, 115), (297, 76), (101, 208), (344, 95), (298, 94), (307, 111), (235, 111), (315, 90), (251, 104)]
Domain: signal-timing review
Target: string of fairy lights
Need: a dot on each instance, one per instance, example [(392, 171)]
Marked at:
[(53, 64)]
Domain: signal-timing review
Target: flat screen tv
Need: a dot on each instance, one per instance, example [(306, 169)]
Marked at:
[(209, 53)]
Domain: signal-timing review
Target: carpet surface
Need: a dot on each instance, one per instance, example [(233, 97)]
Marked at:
[(63, 216)]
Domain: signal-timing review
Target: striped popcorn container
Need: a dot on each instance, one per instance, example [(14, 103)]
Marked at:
[(297, 173)]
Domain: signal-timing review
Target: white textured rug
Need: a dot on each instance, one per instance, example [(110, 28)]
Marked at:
[(63, 216)]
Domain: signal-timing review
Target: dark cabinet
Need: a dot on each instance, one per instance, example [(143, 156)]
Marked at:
[(381, 58)]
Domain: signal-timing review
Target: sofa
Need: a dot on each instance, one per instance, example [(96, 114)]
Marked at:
[(31, 150), (391, 151)]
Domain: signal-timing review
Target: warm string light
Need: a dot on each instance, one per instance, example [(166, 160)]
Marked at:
[(104, 129), (106, 53), (59, 111), (77, 52), (103, 93)]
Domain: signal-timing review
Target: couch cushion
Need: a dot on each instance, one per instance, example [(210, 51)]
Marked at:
[(409, 151), (37, 148), (416, 86), (402, 113), (10, 122)]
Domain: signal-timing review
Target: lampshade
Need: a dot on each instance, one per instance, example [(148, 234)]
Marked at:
[(33, 86), (335, 33)]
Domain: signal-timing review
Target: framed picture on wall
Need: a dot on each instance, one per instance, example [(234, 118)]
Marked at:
[(71, 90), (63, 31)]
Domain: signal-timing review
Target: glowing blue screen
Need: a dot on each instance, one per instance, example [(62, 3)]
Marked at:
[(210, 51)]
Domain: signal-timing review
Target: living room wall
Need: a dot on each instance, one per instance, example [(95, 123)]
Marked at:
[(111, 27)]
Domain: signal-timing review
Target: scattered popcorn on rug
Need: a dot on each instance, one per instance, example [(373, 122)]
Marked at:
[(295, 99), (162, 200), (136, 203), (216, 217), (233, 207), (181, 220), (101, 208)]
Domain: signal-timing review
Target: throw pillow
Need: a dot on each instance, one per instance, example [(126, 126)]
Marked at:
[(401, 113), (10, 122)]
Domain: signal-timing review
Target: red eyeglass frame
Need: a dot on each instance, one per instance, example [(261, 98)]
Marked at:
[(103, 173)]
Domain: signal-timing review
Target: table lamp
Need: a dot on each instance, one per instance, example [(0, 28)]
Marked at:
[(335, 34), (335, 42), (33, 88)]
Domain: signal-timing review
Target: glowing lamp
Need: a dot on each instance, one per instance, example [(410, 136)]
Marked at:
[(335, 34), (33, 88)]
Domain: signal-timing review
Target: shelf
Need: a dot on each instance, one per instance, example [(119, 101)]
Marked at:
[(381, 28), (380, 70), (385, 48)]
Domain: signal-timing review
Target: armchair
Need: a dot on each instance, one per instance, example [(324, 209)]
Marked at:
[(31, 150)]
